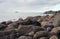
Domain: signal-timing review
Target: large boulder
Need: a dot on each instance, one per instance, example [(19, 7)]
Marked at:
[(41, 34), (25, 37), (53, 37), (55, 30), (32, 22)]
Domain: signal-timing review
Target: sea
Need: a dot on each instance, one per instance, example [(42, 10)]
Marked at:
[(16, 16)]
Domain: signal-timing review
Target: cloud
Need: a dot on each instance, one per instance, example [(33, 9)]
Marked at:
[(27, 5)]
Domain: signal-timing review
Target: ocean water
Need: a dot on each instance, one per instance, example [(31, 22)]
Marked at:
[(15, 16)]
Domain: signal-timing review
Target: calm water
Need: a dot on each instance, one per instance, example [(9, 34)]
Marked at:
[(15, 16)]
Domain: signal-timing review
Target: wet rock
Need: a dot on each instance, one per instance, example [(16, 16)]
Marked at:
[(25, 37), (53, 37)]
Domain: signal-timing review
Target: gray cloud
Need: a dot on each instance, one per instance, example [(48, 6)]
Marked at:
[(27, 5)]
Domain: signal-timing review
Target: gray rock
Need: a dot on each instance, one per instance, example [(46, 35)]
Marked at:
[(2, 26)]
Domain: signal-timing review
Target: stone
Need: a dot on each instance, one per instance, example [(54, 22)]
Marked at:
[(25, 37), (43, 38), (26, 29), (31, 33), (32, 22), (11, 34), (2, 26), (8, 22), (53, 37), (41, 34), (49, 27), (55, 30), (12, 26)]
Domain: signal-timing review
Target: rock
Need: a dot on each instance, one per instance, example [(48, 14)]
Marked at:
[(43, 23), (58, 23), (53, 37), (35, 23), (26, 29), (49, 27), (58, 34), (11, 34), (37, 28), (43, 38), (55, 30), (2, 26), (41, 34), (12, 26), (25, 37), (9, 22), (31, 33), (4, 22), (32, 22)]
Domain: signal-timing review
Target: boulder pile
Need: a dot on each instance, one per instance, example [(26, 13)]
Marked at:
[(38, 27)]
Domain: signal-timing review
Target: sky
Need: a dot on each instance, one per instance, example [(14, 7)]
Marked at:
[(22, 6)]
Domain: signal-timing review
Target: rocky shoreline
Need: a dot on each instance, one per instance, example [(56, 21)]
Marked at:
[(38, 27)]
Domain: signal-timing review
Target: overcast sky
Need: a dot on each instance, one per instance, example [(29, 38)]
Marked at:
[(28, 5)]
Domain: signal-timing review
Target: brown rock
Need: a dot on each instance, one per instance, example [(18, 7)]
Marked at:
[(53, 37), (55, 30), (25, 37), (41, 34), (28, 29), (43, 38), (31, 33)]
